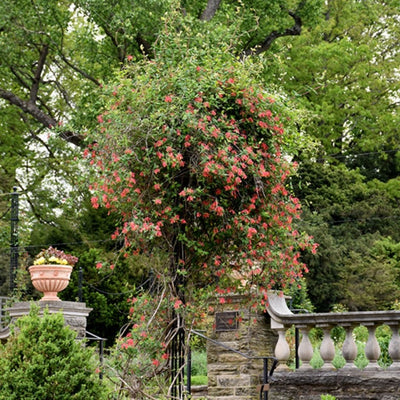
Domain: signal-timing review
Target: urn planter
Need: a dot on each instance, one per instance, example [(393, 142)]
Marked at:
[(50, 279)]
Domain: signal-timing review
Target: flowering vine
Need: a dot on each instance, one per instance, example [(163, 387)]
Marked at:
[(193, 161), (202, 175)]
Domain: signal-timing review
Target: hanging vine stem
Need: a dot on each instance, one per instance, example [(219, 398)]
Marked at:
[(157, 308)]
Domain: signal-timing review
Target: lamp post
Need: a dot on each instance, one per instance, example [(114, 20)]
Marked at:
[(14, 237)]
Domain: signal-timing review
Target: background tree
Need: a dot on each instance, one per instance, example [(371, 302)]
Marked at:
[(344, 72), (349, 216)]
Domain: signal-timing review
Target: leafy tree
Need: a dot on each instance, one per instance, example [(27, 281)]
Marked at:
[(43, 360), (55, 54), (344, 71), (351, 220), (368, 282)]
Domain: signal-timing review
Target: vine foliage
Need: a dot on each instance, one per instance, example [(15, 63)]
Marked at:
[(192, 158)]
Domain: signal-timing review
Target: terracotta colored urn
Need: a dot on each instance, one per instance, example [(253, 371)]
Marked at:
[(50, 279)]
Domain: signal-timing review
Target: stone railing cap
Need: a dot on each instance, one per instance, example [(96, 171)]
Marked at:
[(280, 313)]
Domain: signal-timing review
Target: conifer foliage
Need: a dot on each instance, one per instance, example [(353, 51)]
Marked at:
[(43, 360)]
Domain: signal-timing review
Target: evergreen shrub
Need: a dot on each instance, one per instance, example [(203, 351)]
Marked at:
[(42, 360)]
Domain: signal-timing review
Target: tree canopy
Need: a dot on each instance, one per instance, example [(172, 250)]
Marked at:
[(332, 65)]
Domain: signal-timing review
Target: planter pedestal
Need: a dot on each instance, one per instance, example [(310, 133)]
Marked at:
[(75, 313)]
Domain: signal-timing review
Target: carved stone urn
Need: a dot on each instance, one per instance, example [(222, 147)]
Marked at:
[(50, 279)]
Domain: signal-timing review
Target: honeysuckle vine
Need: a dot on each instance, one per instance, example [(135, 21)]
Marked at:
[(192, 161), (191, 158)]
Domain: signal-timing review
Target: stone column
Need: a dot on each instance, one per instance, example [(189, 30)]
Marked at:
[(75, 314), (327, 349), (394, 346), (230, 375), (282, 350), (305, 350)]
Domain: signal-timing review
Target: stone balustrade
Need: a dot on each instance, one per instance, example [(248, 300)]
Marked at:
[(282, 319)]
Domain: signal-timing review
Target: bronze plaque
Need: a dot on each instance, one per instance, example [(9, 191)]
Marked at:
[(226, 321)]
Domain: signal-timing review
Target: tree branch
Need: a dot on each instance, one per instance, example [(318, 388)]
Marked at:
[(36, 136), (32, 109), (34, 209), (210, 10), (80, 71), (295, 30), (38, 73), (19, 78), (114, 41)]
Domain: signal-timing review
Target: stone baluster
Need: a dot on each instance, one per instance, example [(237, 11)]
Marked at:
[(327, 349), (394, 346), (372, 350), (305, 350), (282, 349), (349, 349)]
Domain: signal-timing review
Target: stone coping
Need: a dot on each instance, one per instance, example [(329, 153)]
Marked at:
[(19, 309), (281, 314), (75, 314), (298, 375), (364, 317)]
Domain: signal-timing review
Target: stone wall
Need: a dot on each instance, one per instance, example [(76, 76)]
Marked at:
[(231, 376), (199, 392), (352, 384)]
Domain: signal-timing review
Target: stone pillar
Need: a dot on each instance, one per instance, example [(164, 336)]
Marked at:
[(231, 375), (75, 314), (305, 349)]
